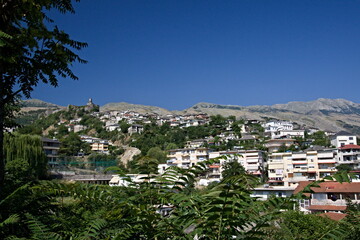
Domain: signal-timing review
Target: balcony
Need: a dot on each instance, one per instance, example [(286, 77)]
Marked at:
[(299, 162), (327, 160), (276, 179), (298, 179), (252, 160), (339, 202), (302, 169), (329, 169)]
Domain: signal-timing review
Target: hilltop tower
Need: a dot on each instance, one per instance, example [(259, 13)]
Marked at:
[(91, 107)]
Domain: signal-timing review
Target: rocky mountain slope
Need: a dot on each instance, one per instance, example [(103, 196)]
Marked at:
[(325, 114), (123, 106)]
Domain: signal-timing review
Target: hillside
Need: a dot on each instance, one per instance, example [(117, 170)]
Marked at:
[(123, 106), (325, 114), (32, 109)]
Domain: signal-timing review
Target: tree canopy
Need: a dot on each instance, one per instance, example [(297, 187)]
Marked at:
[(32, 50)]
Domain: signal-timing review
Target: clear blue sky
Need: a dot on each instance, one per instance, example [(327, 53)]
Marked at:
[(174, 54)]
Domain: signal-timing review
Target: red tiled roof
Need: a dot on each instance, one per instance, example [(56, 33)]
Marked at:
[(327, 207), (333, 215), (349, 146), (214, 166), (331, 187)]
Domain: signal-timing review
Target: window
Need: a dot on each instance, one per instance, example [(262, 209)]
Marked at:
[(351, 138)]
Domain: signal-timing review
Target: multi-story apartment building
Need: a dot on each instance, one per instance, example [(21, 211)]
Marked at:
[(187, 157), (51, 148), (350, 155), (289, 168), (253, 161)]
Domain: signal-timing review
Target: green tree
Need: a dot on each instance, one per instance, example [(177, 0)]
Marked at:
[(344, 168), (157, 153), (71, 145), (232, 168), (320, 138), (32, 50)]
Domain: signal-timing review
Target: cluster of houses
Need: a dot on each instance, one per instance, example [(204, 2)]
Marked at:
[(136, 120), (287, 173)]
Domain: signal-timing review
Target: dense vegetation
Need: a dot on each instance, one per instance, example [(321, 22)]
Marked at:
[(56, 210)]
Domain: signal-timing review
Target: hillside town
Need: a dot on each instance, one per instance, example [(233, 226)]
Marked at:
[(179, 120), (281, 154)]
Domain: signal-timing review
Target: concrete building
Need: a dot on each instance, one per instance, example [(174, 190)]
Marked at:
[(343, 138), (51, 148), (187, 157), (135, 128), (273, 145), (101, 146), (350, 155), (330, 196), (253, 161), (275, 126), (288, 134), (264, 193), (289, 168)]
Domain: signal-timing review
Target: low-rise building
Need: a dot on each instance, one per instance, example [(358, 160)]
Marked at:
[(289, 134), (275, 126), (330, 196), (135, 128), (265, 192), (101, 146)]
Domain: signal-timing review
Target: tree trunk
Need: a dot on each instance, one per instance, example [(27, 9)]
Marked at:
[(2, 155)]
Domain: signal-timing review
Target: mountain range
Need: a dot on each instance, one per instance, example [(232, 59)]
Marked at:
[(324, 114)]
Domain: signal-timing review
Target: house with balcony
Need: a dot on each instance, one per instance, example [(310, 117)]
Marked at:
[(289, 168), (330, 196), (288, 134), (274, 126), (343, 138), (135, 128), (100, 146)]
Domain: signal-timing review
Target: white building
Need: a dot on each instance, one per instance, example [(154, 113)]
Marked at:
[(288, 134), (350, 155), (252, 160), (275, 126), (343, 138)]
